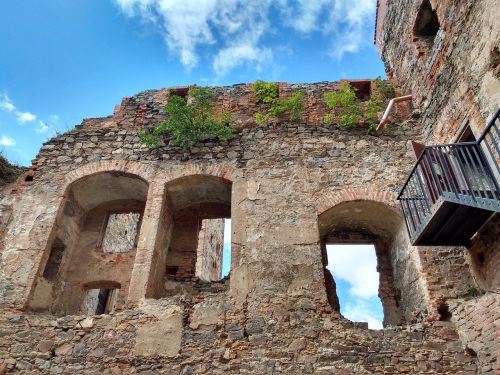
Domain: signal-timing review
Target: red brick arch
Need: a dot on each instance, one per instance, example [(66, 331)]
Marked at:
[(332, 199), (144, 171), (149, 172), (222, 171)]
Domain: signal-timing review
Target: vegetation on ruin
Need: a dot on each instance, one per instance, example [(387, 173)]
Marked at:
[(351, 111), (190, 120), (8, 172), (267, 93)]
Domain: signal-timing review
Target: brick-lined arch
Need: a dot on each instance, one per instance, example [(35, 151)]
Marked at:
[(332, 199), (142, 170), (149, 172), (222, 171)]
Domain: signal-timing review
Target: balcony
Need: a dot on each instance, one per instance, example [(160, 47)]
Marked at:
[(453, 189)]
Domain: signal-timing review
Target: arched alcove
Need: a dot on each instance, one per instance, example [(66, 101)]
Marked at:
[(371, 222), (197, 207), (426, 24), (95, 238)]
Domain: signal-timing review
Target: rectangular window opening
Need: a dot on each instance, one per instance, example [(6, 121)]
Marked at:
[(120, 234), (213, 250), (99, 301), (354, 269)]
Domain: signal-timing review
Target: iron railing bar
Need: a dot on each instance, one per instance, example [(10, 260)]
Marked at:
[(489, 167), (477, 176), (488, 177), (417, 216), (430, 166), (443, 161), (451, 144), (493, 155), (422, 188), (417, 194), (490, 125), (467, 176), (410, 216), (407, 216), (467, 183), (412, 171)]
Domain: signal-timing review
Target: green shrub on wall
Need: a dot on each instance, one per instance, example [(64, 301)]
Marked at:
[(351, 111), (345, 104), (267, 93), (190, 121)]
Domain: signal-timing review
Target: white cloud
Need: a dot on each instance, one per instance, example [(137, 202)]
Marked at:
[(54, 118), (359, 311), (237, 29), (23, 117), (231, 57), (6, 104), (356, 264), (43, 127), (7, 141)]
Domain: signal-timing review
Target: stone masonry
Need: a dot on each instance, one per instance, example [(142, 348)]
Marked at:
[(289, 189)]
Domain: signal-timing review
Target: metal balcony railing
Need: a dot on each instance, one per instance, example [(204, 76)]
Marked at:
[(465, 173)]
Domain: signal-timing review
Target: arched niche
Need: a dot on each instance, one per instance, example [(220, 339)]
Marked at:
[(371, 222), (94, 238), (196, 206)]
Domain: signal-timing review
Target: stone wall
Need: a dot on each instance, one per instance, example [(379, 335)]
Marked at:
[(208, 333), (273, 315), (455, 80)]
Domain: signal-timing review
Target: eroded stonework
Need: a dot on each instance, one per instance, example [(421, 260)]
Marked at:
[(289, 189)]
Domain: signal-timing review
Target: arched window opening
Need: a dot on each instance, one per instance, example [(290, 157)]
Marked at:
[(96, 238), (385, 250), (200, 209), (426, 24)]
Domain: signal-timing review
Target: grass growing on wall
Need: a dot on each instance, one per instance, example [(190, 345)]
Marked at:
[(8, 172)]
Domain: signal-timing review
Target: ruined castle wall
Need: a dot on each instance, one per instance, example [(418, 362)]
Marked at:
[(477, 324), (275, 314), (453, 80), (455, 83), (210, 335)]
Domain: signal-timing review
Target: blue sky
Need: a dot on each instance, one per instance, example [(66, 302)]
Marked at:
[(62, 61)]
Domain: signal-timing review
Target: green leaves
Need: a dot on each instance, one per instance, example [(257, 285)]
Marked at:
[(345, 103), (267, 93), (190, 121), (351, 111)]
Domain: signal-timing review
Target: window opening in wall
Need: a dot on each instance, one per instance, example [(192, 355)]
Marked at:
[(354, 268), (199, 207), (226, 252), (54, 262), (99, 301), (209, 249), (426, 24), (213, 260), (120, 234), (466, 135)]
